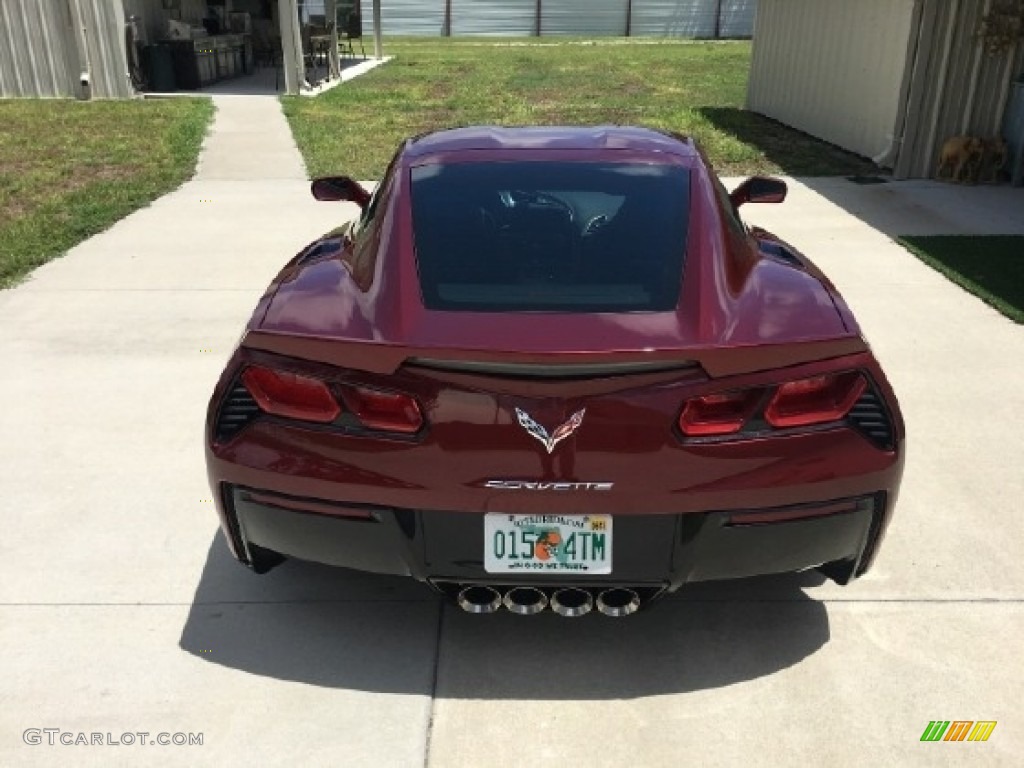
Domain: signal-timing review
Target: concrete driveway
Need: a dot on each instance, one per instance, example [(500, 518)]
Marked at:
[(121, 612)]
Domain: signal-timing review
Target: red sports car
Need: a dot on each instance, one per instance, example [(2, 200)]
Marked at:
[(551, 367)]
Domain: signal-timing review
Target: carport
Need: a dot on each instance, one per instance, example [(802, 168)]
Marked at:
[(101, 49), (212, 43), (290, 14)]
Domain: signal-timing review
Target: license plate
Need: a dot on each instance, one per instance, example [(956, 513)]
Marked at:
[(548, 543)]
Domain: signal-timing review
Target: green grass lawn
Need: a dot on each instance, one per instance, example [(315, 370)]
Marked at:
[(69, 169), (991, 267), (691, 87)]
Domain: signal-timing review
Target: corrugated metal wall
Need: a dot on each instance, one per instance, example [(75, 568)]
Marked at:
[(956, 88), (673, 18), (406, 17), (103, 21), (491, 17), (599, 18), (44, 46), (832, 68), (737, 18), (650, 18), (35, 43)]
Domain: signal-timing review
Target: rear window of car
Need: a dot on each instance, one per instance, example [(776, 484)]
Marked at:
[(550, 236)]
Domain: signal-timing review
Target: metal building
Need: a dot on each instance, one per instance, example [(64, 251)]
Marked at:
[(63, 48), (888, 79), (78, 48)]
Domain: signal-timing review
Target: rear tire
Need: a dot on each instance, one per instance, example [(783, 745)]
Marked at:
[(263, 560)]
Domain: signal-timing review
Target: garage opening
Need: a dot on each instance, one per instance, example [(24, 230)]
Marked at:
[(241, 46)]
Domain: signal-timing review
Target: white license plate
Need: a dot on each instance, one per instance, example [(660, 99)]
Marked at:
[(548, 543)]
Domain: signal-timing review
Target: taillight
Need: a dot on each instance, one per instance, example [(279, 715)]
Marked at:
[(799, 403), (295, 396), (815, 400), (384, 411), (718, 414), (290, 395)]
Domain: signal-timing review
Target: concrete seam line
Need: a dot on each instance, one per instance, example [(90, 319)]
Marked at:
[(433, 685)]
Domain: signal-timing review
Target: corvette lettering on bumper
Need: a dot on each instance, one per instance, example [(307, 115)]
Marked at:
[(535, 485)]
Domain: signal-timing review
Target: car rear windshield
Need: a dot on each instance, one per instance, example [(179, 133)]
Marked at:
[(550, 236)]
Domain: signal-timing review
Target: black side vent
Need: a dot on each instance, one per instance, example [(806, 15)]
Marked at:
[(869, 416), (779, 252), (237, 410)]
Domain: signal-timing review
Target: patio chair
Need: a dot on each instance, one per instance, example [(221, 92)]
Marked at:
[(276, 60), (266, 47), (308, 55), (352, 30)]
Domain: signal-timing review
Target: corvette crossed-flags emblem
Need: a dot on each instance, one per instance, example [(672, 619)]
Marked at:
[(561, 432)]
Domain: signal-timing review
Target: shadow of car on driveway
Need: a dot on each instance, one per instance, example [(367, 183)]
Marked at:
[(336, 628)]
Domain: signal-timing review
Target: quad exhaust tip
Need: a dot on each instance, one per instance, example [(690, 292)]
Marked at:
[(618, 602), (572, 602), (526, 601), (479, 599)]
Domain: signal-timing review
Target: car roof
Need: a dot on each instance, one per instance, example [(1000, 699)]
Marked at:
[(550, 137)]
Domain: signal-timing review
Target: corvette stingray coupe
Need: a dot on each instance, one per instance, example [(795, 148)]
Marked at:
[(552, 368)]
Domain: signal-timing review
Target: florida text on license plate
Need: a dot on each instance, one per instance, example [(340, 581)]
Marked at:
[(547, 543)]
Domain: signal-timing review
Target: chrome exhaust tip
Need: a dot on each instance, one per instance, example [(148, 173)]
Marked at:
[(571, 602), (479, 599), (526, 601), (618, 601)]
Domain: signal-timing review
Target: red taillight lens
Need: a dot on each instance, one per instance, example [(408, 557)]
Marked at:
[(291, 395), (816, 400), (386, 411), (719, 414)]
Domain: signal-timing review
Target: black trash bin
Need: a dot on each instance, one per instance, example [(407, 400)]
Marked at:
[(160, 68)]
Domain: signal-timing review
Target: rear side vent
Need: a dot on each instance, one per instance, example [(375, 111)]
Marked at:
[(780, 252), (869, 417), (237, 410)]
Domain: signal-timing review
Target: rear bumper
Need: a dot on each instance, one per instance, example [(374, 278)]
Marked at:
[(661, 551)]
